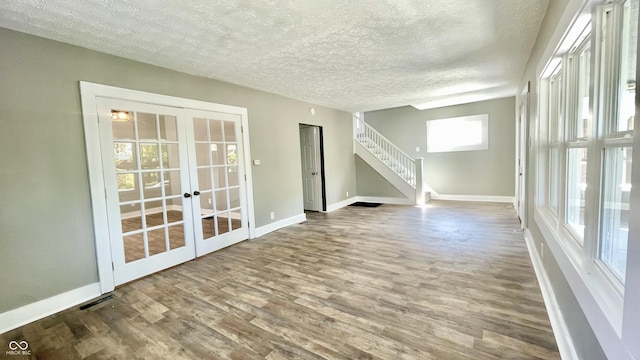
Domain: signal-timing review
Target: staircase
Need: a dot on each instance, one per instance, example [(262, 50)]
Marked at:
[(401, 170)]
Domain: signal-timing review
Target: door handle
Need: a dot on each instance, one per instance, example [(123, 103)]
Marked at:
[(196, 193), (187, 195)]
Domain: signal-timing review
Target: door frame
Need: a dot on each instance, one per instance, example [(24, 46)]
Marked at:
[(323, 190), (89, 91), (522, 147)]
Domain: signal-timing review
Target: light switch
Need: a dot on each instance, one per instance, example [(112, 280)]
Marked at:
[(256, 162), (417, 148)]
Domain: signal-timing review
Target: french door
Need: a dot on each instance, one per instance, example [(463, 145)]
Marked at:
[(173, 184)]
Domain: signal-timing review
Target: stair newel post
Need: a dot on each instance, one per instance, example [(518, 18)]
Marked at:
[(419, 162)]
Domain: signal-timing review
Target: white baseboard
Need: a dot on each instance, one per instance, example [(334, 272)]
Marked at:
[(560, 331), (385, 200), (341, 204), (40, 309), (263, 230), (485, 198)]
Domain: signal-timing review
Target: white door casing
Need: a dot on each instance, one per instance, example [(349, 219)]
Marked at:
[(96, 144), (311, 176), (522, 143)]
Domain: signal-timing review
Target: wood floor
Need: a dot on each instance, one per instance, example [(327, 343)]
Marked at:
[(450, 281)]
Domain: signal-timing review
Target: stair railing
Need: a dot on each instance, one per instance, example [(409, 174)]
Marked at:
[(396, 159)]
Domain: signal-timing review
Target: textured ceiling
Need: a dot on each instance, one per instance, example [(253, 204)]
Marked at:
[(354, 55)]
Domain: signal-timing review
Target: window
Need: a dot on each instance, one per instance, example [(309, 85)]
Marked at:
[(585, 147), (617, 75), (555, 121), (576, 189), (464, 133), (578, 132), (614, 218), (593, 153)]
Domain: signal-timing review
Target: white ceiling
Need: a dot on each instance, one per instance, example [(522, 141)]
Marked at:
[(354, 55)]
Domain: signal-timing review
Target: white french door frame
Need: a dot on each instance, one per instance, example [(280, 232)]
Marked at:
[(89, 92)]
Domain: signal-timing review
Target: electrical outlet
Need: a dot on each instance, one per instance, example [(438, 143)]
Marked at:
[(209, 201), (347, 194), (273, 215)]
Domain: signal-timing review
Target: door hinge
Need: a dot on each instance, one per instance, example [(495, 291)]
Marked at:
[(245, 177), (113, 267), (242, 129), (105, 193)]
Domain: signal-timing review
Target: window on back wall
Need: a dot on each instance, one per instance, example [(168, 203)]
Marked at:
[(466, 133)]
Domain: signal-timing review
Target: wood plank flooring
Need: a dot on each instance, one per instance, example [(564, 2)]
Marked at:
[(449, 281)]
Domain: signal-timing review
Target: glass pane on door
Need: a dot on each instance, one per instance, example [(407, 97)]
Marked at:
[(176, 236), (168, 128), (209, 227), (157, 241), (223, 223), (133, 247)]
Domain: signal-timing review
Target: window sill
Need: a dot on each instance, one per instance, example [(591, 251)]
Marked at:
[(599, 299)]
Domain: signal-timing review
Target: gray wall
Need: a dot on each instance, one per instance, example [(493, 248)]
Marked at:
[(484, 172), (46, 238), (582, 335), (370, 183)]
